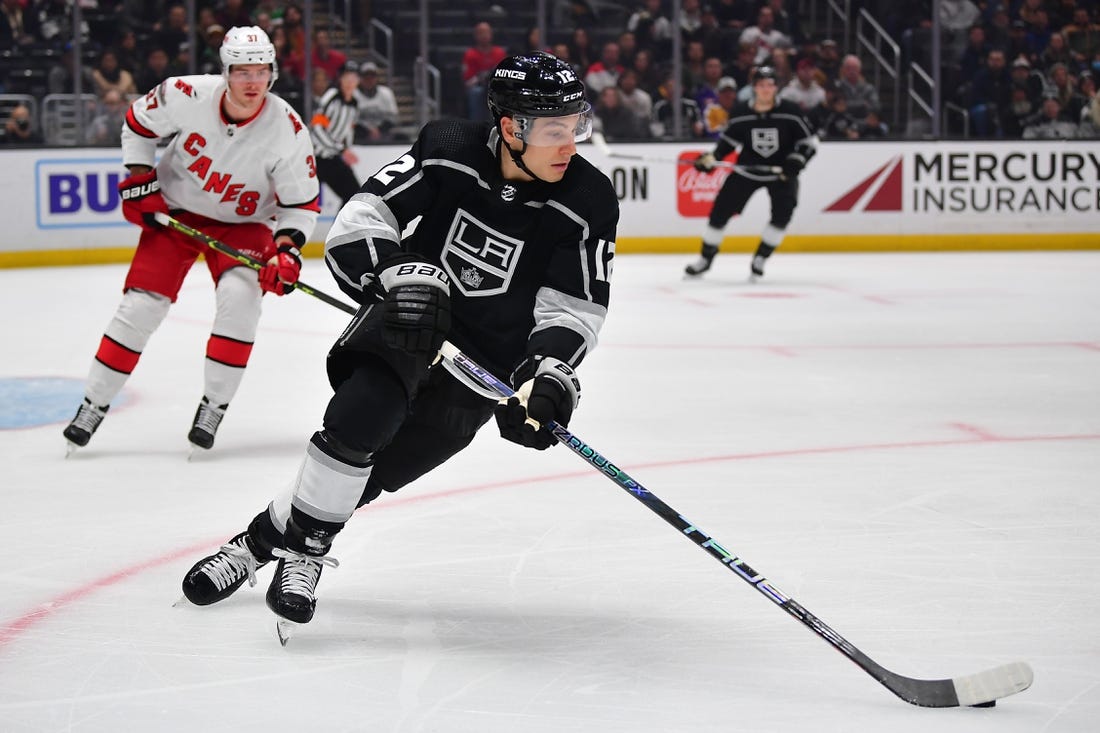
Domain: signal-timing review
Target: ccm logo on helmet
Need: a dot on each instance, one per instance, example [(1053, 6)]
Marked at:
[(511, 73), (571, 97)]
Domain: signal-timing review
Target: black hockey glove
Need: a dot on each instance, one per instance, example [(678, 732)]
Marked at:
[(793, 165), (416, 307), (705, 163), (549, 390)]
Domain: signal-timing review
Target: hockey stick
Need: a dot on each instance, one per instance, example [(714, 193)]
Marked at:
[(982, 689), (600, 143), (255, 264)]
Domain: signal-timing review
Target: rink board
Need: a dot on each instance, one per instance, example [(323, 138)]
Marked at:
[(889, 196)]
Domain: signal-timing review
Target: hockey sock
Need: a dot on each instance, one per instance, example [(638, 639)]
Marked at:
[(138, 316)]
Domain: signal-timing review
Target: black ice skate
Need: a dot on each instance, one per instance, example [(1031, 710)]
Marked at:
[(292, 593), (216, 577), (702, 264), (205, 425), (84, 424)]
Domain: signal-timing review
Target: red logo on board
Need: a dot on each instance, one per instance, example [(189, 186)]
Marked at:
[(695, 190)]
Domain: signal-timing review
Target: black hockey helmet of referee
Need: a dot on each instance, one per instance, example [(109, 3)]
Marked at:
[(537, 90)]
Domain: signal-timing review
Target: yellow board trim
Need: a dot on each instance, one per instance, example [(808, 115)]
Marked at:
[(982, 241)]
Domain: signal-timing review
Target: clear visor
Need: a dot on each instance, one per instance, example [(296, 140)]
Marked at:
[(554, 131)]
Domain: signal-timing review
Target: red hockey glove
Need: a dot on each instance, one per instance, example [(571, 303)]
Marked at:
[(281, 271), (141, 198), (549, 390)]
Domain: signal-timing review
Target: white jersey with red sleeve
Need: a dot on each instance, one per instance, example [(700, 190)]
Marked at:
[(258, 170)]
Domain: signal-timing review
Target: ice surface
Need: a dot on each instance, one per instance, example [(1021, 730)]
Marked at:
[(908, 445)]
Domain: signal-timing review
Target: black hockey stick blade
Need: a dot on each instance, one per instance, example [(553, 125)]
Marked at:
[(216, 244), (982, 689)]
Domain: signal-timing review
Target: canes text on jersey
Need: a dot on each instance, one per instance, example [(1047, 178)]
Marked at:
[(219, 183)]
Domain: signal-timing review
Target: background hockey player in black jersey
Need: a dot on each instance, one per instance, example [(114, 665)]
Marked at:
[(510, 261), (775, 141)]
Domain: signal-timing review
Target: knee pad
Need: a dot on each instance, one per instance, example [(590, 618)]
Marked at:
[(238, 298), (139, 314)]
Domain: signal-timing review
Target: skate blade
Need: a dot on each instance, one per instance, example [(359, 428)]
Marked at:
[(70, 448), (285, 629), (181, 601)]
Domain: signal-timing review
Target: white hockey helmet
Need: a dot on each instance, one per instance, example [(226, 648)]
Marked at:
[(248, 45)]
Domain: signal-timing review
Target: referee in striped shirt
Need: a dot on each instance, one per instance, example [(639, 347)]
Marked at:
[(333, 130)]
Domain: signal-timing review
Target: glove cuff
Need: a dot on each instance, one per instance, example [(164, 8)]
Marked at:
[(414, 273), (292, 250), (556, 369)]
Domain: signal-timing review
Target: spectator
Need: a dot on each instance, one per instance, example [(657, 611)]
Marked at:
[(209, 61), (1061, 84), (54, 20), (156, 68), (129, 57), (478, 61), (828, 61), (561, 50), (732, 15), (318, 85), (232, 13), (691, 20), (1032, 82), (708, 88), (957, 17), (377, 105), (605, 72), (694, 70), (18, 26), (1038, 36), (780, 61), (1057, 52), (1090, 115), (294, 28), (872, 128), (1022, 108), (1082, 36), (171, 32), (649, 76), (628, 47), (764, 36), (839, 124), (716, 112), (990, 95), (860, 96), (651, 28), (61, 76), (742, 65), (634, 98), (106, 126), (326, 57), (804, 90), (1017, 41), (973, 55), (532, 41), (1050, 125), (690, 114), (999, 29), (787, 23), (19, 128), (581, 54), (108, 75), (615, 120)]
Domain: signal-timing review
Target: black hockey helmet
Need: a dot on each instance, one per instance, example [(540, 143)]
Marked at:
[(764, 72), (535, 85)]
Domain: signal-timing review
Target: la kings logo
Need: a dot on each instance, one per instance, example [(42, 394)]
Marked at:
[(479, 259), (765, 140)]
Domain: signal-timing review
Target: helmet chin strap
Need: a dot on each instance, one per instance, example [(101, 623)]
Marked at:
[(517, 156)]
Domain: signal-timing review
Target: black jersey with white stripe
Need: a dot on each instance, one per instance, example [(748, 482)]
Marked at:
[(767, 138), (530, 262)]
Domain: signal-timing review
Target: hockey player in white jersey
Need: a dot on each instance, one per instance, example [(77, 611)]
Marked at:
[(240, 167)]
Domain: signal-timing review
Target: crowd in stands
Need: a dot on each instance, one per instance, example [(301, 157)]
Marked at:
[(1020, 68), (130, 46)]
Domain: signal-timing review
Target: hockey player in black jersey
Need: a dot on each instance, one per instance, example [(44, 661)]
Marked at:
[(510, 261), (775, 141)]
